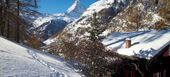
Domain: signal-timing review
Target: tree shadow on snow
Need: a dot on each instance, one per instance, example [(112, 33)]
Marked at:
[(146, 53)]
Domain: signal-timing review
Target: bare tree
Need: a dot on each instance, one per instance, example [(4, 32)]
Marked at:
[(10, 17)]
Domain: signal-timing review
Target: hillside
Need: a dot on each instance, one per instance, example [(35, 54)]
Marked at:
[(20, 61), (119, 16), (79, 26), (109, 38)]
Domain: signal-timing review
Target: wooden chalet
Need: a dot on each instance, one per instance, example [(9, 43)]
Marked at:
[(147, 54)]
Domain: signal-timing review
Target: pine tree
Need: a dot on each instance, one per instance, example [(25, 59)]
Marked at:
[(97, 27)]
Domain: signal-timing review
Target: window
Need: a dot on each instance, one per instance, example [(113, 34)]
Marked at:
[(158, 74)]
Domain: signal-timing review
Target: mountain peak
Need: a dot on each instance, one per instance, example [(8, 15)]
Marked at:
[(76, 9), (73, 6)]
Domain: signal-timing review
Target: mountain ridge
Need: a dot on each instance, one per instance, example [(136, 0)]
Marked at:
[(120, 15), (53, 23)]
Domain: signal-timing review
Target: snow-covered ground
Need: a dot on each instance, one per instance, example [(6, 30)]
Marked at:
[(145, 44), (20, 61)]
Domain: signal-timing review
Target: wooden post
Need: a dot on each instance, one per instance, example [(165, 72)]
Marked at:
[(164, 73), (127, 43), (126, 73), (133, 73)]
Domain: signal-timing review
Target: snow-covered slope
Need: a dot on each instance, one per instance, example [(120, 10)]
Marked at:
[(103, 7), (19, 61), (51, 24), (139, 16), (105, 4)]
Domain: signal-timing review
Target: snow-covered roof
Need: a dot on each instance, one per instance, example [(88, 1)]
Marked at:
[(145, 44), (19, 61)]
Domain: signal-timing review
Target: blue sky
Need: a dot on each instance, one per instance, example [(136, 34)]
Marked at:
[(59, 6)]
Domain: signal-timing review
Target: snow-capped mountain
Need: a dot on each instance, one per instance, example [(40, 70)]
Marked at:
[(47, 25), (120, 15), (76, 9), (47, 18), (108, 9)]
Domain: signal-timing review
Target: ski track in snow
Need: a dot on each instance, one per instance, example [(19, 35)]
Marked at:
[(56, 73)]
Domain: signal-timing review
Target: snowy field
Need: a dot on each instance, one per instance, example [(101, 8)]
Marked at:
[(19, 61)]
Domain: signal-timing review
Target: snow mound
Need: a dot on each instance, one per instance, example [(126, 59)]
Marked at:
[(20, 61)]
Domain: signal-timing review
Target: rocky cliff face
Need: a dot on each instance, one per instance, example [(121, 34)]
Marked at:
[(141, 15)]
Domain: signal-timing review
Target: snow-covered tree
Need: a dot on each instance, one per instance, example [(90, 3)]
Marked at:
[(97, 27)]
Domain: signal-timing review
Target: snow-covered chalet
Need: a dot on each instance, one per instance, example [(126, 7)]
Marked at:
[(147, 53)]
